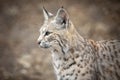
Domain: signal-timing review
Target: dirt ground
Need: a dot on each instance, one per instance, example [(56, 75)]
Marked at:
[(20, 20)]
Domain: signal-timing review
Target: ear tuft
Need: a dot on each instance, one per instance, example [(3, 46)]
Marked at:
[(62, 7), (46, 13)]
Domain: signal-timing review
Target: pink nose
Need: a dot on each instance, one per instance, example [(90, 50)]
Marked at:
[(39, 42)]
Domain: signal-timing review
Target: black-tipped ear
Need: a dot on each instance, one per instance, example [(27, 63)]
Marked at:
[(46, 13), (62, 16)]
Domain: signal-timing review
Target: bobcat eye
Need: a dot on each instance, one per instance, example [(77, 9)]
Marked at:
[(47, 33)]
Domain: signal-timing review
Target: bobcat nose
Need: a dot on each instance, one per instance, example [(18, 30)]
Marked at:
[(39, 42)]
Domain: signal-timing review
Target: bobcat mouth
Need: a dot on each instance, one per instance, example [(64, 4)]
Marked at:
[(45, 45), (49, 43)]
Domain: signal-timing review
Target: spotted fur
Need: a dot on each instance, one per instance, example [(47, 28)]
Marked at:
[(77, 58)]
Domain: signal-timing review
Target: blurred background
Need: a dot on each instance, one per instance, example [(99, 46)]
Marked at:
[(20, 20)]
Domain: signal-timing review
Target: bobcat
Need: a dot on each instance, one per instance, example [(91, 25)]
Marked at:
[(74, 57)]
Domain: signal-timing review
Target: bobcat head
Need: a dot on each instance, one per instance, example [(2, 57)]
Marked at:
[(55, 28)]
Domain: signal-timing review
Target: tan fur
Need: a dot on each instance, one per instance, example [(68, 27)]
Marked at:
[(77, 58)]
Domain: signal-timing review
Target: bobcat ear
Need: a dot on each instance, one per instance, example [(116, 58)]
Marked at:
[(46, 13), (62, 16)]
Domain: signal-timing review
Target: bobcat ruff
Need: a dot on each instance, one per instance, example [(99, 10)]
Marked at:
[(74, 57)]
